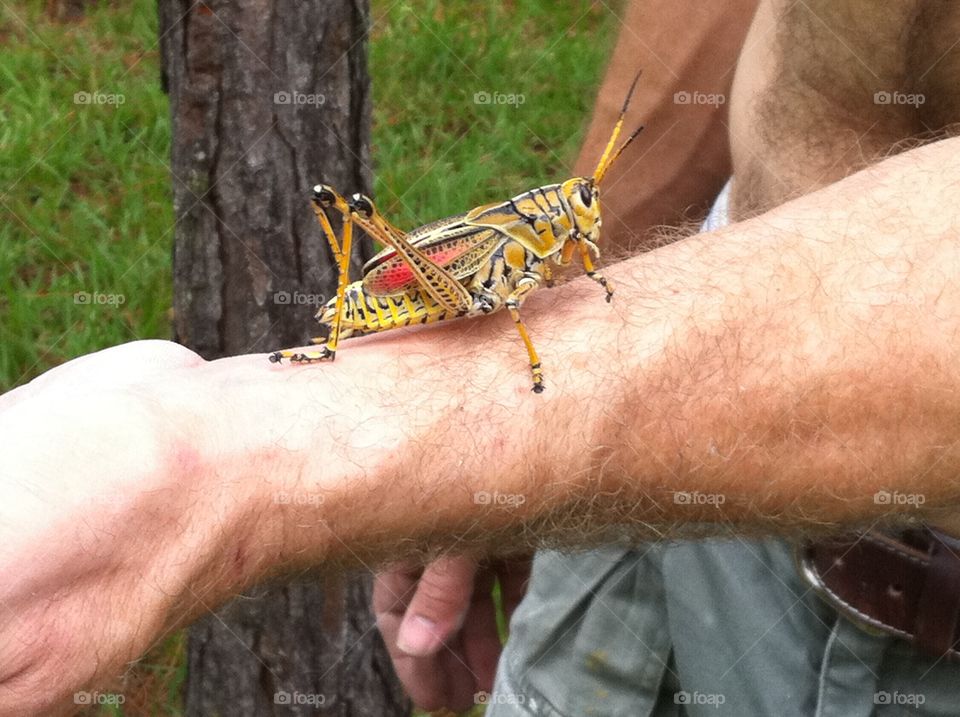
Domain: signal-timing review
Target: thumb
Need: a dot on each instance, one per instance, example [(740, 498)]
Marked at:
[(438, 607)]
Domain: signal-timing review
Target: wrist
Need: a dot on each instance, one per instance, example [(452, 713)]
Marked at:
[(344, 461), (266, 450)]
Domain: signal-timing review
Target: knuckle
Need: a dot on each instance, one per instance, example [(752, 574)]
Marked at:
[(440, 595), (445, 588)]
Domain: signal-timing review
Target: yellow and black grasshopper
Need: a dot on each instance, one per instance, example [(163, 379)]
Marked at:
[(470, 264)]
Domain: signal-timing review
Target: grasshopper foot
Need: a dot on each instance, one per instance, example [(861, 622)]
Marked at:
[(606, 287), (487, 303), (537, 378), (324, 354)]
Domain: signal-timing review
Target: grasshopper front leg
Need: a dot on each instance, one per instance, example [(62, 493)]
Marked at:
[(585, 246)]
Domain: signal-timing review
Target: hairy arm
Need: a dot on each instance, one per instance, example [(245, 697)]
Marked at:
[(684, 48), (794, 364)]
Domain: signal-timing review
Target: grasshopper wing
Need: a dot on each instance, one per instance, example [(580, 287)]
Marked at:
[(459, 248)]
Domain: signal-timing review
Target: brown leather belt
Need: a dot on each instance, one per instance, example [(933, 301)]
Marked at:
[(906, 584)]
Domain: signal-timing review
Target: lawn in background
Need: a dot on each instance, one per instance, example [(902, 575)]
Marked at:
[(474, 102), (85, 200)]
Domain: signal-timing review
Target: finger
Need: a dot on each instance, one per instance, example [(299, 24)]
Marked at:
[(433, 682), (438, 607), (465, 663), (392, 591), (441, 681)]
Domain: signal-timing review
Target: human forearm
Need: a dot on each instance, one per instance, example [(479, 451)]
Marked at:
[(793, 365)]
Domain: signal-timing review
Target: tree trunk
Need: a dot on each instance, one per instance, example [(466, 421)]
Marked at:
[(268, 99)]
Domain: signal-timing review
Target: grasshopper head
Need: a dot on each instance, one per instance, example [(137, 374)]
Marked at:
[(583, 197), (583, 193)]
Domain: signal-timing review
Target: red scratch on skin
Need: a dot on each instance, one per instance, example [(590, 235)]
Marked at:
[(186, 460)]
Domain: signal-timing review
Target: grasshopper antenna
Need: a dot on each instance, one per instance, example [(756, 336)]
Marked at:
[(609, 156)]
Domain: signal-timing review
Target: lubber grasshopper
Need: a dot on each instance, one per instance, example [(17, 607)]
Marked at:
[(470, 264)]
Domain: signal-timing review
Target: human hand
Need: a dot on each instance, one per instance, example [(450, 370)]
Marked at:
[(110, 533), (140, 487), (440, 626)]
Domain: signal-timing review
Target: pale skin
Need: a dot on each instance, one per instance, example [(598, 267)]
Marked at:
[(796, 363)]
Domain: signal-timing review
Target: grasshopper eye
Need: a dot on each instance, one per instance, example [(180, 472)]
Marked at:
[(586, 195)]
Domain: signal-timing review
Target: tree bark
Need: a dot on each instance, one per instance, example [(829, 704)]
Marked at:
[(268, 99)]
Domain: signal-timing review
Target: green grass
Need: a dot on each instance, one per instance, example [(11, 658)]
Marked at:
[(85, 191), (437, 152), (84, 188)]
